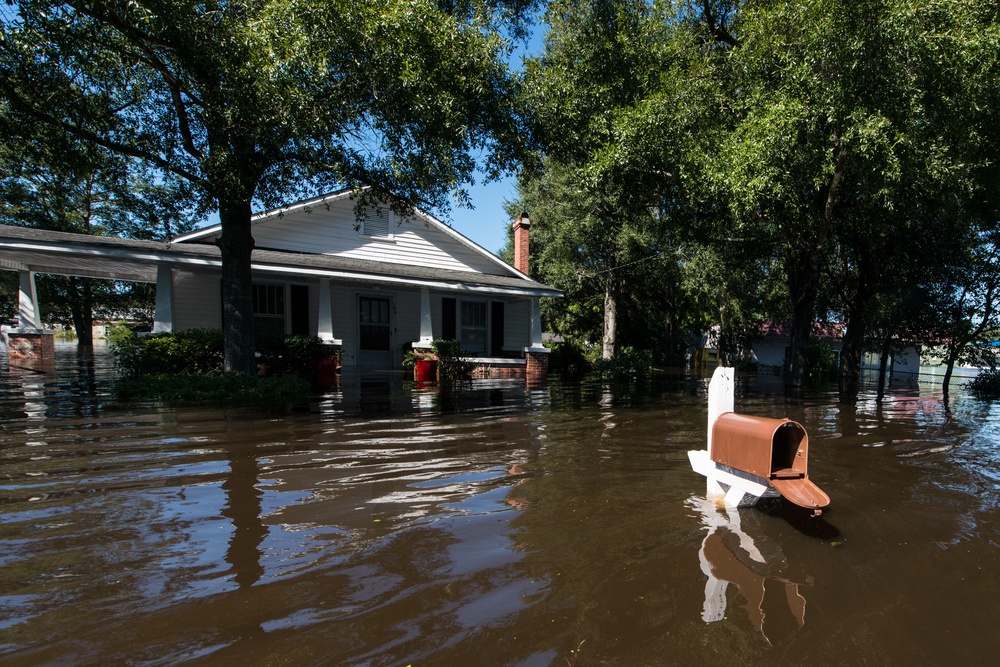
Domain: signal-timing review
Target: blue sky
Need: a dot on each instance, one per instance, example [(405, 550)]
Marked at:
[(487, 223)]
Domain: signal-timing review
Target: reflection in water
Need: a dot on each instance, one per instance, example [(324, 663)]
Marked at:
[(33, 388), (244, 509), (774, 604)]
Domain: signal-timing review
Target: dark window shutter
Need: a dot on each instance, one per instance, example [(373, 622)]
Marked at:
[(448, 329), (496, 328), (300, 310)]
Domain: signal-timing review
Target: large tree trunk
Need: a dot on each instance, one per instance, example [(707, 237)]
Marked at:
[(795, 373), (726, 345), (670, 327), (237, 244), (948, 368), (849, 373), (803, 286), (82, 309), (849, 376), (883, 365), (804, 277), (859, 309)]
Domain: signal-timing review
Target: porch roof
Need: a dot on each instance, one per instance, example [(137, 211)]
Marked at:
[(62, 253)]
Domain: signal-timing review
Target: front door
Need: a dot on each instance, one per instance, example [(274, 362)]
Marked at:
[(375, 333)]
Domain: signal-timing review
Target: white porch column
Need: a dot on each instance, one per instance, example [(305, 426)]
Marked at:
[(536, 329), (163, 319), (29, 314), (426, 327), (325, 325)]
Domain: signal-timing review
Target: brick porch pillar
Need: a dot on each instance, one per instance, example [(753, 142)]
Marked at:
[(537, 367)]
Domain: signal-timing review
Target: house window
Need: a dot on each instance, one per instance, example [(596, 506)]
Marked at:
[(473, 326), (269, 309), (376, 225)]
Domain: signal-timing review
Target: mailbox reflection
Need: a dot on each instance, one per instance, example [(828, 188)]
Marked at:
[(773, 601)]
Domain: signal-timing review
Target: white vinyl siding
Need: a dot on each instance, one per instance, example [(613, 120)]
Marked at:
[(197, 301), (408, 316), (517, 324), (345, 319), (338, 232)]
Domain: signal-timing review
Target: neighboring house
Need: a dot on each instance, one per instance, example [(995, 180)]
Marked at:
[(773, 342), (372, 286)]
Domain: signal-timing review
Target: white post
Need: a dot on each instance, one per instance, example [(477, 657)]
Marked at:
[(721, 397), (29, 314), (426, 325), (325, 324), (536, 328), (163, 319)]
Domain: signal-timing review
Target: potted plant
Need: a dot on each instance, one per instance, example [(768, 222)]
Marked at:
[(423, 362)]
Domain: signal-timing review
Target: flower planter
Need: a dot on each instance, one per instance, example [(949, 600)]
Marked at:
[(425, 370)]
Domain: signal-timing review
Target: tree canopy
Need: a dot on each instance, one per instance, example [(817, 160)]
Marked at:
[(809, 160), (257, 101)]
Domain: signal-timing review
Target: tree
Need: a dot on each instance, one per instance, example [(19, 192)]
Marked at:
[(613, 115), (49, 183), (965, 307), (846, 113), (593, 254), (257, 101), (577, 85), (925, 137)]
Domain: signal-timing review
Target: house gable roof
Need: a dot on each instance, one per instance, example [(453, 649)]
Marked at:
[(41, 251), (329, 225)]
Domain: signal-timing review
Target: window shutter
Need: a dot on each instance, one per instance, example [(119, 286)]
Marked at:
[(496, 328), (300, 310), (448, 328)]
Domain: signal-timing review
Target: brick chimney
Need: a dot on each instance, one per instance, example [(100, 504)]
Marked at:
[(522, 225)]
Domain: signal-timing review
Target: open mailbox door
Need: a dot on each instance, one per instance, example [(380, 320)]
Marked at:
[(774, 449)]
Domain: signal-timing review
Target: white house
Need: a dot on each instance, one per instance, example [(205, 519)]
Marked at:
[(372, 286)]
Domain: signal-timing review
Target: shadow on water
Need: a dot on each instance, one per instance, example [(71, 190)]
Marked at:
[(803, 521), (387, 523)]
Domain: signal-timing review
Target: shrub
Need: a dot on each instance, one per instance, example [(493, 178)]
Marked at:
[(821, 362), (198, 351), (453, 362), (626, 364), (291, 355), (568, 358), (746, 366), (986, 385), (186, 355)]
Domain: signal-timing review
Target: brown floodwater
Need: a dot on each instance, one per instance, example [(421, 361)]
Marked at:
[(390, 525)]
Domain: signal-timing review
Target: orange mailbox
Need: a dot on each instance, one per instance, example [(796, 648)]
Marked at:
[(776, 450)]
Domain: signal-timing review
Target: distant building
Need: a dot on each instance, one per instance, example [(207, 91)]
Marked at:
[(772, 344)]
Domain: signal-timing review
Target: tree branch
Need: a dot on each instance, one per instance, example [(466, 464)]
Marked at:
[(20, 105), (715, 28), (144, 43)]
